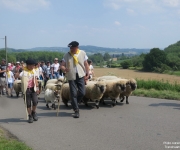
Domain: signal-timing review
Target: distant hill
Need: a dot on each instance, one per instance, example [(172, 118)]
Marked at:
[(88, 48), (173, 48)]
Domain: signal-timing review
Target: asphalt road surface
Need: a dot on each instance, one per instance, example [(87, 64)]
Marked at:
[(144, 124)]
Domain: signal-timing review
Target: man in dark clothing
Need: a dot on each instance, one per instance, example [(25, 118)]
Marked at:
[(2, 77)]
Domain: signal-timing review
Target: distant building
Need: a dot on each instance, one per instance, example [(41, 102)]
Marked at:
[(114, 59)]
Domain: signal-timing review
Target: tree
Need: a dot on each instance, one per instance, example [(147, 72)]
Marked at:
[(126, 64), (154, 59), (106, 57)]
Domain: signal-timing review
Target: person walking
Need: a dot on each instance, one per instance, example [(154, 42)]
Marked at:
[(47, 73), (55, 69), (17, 70), (2, 77), (10, 80), (91, 69), (30, 84), (74, 63)]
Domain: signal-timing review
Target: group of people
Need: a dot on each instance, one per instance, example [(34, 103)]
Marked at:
[(74, 65)]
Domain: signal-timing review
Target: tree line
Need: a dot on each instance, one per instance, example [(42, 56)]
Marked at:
[(36, 55), (156, 60)]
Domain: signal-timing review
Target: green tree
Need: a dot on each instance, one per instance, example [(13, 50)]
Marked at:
[(126, 64), (154, 59), (107, 56)]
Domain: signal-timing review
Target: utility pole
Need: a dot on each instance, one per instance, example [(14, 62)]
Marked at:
[(6, 50)]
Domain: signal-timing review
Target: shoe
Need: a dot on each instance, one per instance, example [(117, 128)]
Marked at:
[(34, 116), (76, 114), (30, 120)]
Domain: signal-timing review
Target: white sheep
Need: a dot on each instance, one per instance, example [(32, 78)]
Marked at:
[(51, 96), (65, 93), (53, 86), (55, 81), (94, 92), (107, 78), (113, 90), (131, 85), (17, 87)]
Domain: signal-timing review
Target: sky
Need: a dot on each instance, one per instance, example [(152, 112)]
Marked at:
[(104, 23)]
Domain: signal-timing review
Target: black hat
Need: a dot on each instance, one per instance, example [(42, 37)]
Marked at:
[(30, 62), (73, 44)]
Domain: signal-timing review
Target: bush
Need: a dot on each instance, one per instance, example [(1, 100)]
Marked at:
[(126, 64)]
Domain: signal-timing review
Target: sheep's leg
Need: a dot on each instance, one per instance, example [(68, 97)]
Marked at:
[(114, 102), (17, 94), (54, 106), (122, 99), (47, 105), (97, 104), (102, 101), (127, 102)]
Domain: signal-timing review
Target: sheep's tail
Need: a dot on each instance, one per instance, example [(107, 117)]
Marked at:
[(60, 96)]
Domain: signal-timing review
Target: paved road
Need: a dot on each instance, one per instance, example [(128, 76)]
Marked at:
[(144, 124)]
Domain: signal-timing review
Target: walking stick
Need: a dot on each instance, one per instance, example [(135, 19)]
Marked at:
[(60, 96), (24, 88), (61, 91)]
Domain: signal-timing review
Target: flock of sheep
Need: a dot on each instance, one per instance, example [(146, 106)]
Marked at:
[(98, 89)]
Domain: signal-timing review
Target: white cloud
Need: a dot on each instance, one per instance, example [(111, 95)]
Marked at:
[(25, 5), (172, 3), (117, 23), (130, 11)]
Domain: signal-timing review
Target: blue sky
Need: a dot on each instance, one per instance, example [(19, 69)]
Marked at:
[(106, 23)]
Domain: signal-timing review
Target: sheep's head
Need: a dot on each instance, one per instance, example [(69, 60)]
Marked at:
[(121, 86), (101, 85), (58, 86), (56, 93), (133, 84)]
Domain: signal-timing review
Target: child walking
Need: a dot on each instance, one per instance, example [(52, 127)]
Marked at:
[(10, 80)]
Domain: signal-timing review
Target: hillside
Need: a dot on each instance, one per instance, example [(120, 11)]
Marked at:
[(173, 48), (89, 49)]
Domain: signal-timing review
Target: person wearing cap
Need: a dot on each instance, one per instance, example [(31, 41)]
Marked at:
[(74, 63), (2, 77), (17, 70), (9, 66), (31, 89), (55, 69)]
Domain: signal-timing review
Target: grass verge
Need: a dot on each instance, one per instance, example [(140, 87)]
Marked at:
[(162, 94), (8, 142)]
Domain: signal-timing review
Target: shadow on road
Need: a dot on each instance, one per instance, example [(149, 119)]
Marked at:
[(177, 106), (13, 120), (54, 114)]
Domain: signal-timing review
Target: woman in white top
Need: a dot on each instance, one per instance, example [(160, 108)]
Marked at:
[(55, 69), (10, 80), (38, 71), (91, 72)]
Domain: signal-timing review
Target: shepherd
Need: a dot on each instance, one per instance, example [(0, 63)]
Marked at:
[(30, 89), (74, 63)]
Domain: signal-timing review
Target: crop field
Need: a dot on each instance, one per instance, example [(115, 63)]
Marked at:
[(125, 73)]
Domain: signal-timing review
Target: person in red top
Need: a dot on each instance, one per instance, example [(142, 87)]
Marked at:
[(30, 89)]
